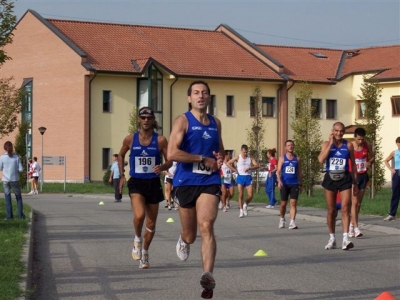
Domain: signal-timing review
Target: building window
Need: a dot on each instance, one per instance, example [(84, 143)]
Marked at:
[(230, 106), (106, 101), (316, 108), (361, 109), (26, 112), (331, 109), (150, 93), (106, 156), (211, 107), (268, 107), (395, 105)]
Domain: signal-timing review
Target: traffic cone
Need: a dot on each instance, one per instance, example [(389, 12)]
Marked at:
[(260, 253), (385, 296), (170, 220)]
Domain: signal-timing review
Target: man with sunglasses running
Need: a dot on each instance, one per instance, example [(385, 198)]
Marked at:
[(144, 184)]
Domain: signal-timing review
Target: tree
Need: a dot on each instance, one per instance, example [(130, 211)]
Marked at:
[(255, 134), (307, 137), (20, 149), (133, 120), (7, 23), (10, 97), (371, 93)]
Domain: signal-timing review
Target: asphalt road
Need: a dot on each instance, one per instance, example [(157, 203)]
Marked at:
[(82, 250)]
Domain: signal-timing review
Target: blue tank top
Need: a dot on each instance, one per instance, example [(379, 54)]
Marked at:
[(203, 140), (142, 159), (338, 158), (290, 170), (397, 159)]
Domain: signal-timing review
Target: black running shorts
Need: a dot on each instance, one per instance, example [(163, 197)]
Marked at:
[(340, 185), (150, 189), (186, 196), (290, 190)]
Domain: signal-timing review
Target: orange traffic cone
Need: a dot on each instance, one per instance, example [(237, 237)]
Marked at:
[(385, 296)]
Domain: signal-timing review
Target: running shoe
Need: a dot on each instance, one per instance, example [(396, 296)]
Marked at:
[(357, 233), (207, 282), (182, 249), (292, 225), (31, 193), (228, 206), (351, 230), (220, 205), (137, 250), (331, 244), (169, 207), (144, 262), (389, 218), (282, 223), (270, 206), (245, 210), (224, 209), (346, 245), (241, 213)]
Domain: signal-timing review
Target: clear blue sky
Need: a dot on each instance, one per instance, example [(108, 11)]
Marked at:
[(342, 24)]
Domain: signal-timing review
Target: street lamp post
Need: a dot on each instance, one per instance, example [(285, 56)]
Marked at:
[(42, 130)]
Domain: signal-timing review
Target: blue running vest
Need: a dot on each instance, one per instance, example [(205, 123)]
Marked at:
[(202, 140), (338, 158), (142, 159), (290, 169)]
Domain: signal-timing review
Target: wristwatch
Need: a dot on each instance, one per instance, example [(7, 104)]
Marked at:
[(202, 159)]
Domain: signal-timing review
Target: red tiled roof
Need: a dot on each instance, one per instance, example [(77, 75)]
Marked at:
[(374, 59), (389, 74), (301, 65), (185, 52)]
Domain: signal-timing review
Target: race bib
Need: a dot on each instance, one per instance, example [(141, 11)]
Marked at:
[(337, 164), (200, 168), (361, 164), (289, 170), (144, 164)]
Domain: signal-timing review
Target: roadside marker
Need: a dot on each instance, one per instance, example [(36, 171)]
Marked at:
[(101, 203), (170, 220), (260, 253), (385, 296)]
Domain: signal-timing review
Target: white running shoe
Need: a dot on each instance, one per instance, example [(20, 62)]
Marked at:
[(351, 230), (169, 207), (144, 262), (389, 218), (331, 244), (269, 206), (245, 210), (241, 213), (36, 192), (292, 225), (228, 206), (282, 223), (31, 193), (137, 250), (224, 209), (346, 245), (182, 249), (357, 233), (220, 205)]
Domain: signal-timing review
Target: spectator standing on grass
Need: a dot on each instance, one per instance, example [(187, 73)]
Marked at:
[(115, 178), (11, 166), (271, 178), (395, 170), (35, 174)]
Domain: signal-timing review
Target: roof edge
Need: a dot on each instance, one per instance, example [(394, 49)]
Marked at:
[(57, 33)]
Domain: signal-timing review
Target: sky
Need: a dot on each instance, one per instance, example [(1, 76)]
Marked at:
[(336, 24)]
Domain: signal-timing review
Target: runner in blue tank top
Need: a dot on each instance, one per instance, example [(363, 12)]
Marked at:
[(289, 182), (338, 153), (144, 184), (196, 144)]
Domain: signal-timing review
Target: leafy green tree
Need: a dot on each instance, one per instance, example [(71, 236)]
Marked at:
[(371, 93), (307, 136), (255, 134), (10, 96), (133, 120), (20, 149)]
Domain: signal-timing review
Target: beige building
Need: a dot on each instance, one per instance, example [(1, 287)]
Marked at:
[(84, 79)]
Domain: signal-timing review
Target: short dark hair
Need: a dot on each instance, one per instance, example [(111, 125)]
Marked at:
[(360, 132), (115, 155), (189, 91), (289, 141), (244, 147), (398, 140)]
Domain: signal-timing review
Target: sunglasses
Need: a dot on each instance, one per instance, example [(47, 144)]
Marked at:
[(150, 118)]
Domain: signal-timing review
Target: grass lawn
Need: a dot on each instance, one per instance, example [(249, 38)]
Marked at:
[(12, 232)]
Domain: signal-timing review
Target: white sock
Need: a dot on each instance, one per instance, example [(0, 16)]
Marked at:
[(332, 236), (345, 236), (282, 219), (137, 239), (145, 251)]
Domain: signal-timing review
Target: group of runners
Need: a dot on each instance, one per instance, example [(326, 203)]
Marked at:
[(202, 178)]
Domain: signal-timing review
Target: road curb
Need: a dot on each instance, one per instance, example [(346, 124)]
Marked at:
[(26, 259)]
